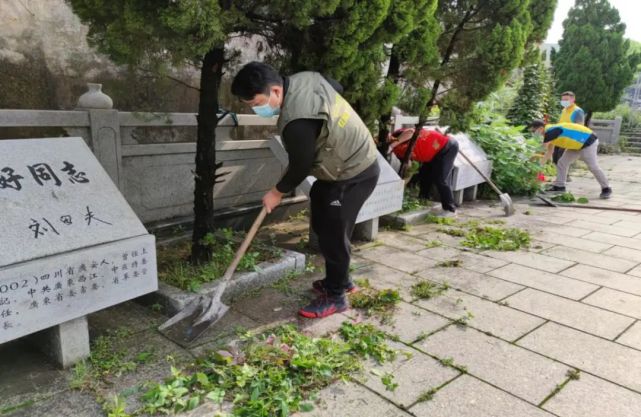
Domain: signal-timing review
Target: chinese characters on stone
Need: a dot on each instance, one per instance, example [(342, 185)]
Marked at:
[(39, 228), (42, 174), (68, 283)]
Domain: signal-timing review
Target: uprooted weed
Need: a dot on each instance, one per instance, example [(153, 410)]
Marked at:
[(494, 238), (373, 301), (425, 290), (271, 375)]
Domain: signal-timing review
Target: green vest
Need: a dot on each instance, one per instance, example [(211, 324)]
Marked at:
[(345, 147)]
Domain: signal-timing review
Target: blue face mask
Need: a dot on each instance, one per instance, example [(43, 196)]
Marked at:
[(266, 110), (565, 103)]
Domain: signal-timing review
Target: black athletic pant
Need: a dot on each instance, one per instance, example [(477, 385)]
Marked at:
[(438, 172), (557, 154), (335, 206)]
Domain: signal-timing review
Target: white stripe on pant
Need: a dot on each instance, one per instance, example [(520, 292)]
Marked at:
[(587, 155)]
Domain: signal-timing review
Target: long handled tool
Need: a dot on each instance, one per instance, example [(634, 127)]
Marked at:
[(208, 309), (506, 201), (551, 203)]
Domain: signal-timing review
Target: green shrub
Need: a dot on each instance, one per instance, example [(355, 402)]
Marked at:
[(514, 169)]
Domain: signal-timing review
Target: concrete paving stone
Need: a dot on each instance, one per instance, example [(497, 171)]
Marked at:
[(132, 316), (468, 397), (382, 277), (608, 360), (270, 306), (552, 220), (487, 316), (471, 261), (395, 258), (570, 313), (352, 400), (544, 281), (525, 374), (414, 375), (594, 397), (632, 336), (409, 322), (613, 230), (429, 232), (636, 272), (624, 253), (324, 327), (605, 278), (626, 242), (618, 301), (472, 282), (68, 404), (572, 242), (538, 246), (533, 260), (401, 241), (629, 224), (592, 259)]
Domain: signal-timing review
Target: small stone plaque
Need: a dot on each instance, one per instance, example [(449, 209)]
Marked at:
[(70, 243)]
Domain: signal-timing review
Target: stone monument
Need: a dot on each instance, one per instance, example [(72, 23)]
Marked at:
[(70, 244)]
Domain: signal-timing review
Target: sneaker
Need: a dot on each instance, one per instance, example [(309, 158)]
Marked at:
[(318, 287), (447, 214), (324, 306), (555, 188), (606, 193)]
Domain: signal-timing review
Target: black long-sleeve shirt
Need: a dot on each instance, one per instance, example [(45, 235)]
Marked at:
[(299, 138)]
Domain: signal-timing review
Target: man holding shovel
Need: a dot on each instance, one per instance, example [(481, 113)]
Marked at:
[(578, 142), (324, 137)]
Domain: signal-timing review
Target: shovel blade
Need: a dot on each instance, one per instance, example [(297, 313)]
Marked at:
[(199, 326), (508, 206)]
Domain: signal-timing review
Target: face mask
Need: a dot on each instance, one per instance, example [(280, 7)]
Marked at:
[(565, 103), (266, 110)]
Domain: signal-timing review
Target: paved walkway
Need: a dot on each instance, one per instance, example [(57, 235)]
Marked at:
[(534, 321)]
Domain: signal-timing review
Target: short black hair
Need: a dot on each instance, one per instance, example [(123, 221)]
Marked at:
[(536, 123), (568, 93), (254, 78)]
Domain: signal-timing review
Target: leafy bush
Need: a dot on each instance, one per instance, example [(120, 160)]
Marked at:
[(514, 169), (630, 116)]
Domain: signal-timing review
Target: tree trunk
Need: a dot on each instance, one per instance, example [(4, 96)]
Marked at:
[(393, 73), (210, 76)]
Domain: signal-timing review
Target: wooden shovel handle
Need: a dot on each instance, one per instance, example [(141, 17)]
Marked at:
[(246, 242)]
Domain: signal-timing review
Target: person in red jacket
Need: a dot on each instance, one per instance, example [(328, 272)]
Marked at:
[(436, 152)]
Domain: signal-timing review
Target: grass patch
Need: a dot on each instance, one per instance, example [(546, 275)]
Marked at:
[(452, 263), (175, 269), (433, 244), (493, 238), (271, 375), (444, 221), (110, 358), (566, 197), (20, 406), (374, 301), (427, 395), (412, 202), (425, 290)]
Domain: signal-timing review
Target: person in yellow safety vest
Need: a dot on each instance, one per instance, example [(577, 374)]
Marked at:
[(578, 142), (571, 113)]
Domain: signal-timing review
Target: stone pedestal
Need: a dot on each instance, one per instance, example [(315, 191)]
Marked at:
[(367, 230), (66, 343)]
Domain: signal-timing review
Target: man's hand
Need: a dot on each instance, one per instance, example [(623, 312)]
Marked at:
[(272, 199)]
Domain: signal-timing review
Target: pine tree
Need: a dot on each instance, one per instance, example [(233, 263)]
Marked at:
[(530, 101), (593, 59)]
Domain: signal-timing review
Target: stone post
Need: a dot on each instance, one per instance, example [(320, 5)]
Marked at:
[(66, 343), (104, 131), (367, 230), (616, 130)]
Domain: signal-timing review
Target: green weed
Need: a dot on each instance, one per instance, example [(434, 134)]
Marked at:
[(493, 238), (374, 301), (452, 263), (444, 221), (433, 244), (566, 197), (582, 200), (425, 290), (456, 232)]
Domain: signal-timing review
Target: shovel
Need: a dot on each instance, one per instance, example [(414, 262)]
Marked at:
[(206, 310), (551, 203), (506, 201)]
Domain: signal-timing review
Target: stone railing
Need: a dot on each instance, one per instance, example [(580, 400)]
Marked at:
[(150, 156), (608, 131)]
